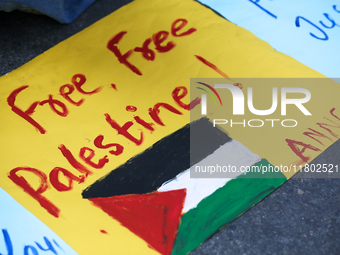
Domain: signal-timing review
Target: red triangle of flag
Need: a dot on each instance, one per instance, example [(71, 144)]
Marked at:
[(154, 216)]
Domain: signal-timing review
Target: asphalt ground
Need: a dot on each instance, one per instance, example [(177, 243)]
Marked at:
[(301, 217)]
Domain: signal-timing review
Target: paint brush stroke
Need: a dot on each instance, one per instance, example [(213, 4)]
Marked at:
[(223, 206), (232, 153), (161, 162), (154, 217)]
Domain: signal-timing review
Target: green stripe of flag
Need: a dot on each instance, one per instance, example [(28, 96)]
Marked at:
[(223, 206)]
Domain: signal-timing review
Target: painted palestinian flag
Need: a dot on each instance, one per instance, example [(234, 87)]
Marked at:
[(153, 195)]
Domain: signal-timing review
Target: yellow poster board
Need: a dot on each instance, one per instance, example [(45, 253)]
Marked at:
[(84, 107)]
